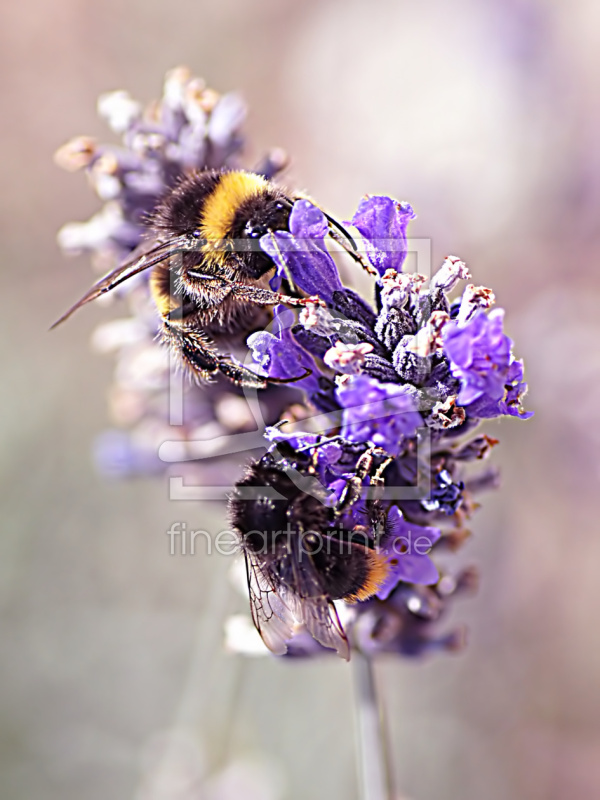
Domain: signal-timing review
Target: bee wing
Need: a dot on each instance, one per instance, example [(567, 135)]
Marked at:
[(300, 588), (316, 609), (273, 618), (288, 593), (323, 624), (139, 263), (321, 620)]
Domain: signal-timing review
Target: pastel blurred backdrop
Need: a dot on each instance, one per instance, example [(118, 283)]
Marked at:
[(114, 682)]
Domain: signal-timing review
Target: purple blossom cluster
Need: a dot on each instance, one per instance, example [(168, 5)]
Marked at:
[(419, 356), (411, 374)]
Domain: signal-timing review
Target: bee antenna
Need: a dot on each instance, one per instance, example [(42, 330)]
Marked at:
[(342, 230)]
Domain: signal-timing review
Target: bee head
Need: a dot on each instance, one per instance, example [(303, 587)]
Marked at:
[(255, 217)]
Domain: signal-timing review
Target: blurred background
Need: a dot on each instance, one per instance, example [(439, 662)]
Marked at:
[(114, 682)]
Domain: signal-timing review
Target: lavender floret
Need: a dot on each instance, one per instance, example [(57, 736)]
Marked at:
[(382, 223), (302, 253)]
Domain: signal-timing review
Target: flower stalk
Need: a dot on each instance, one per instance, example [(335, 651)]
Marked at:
[(374, 765)]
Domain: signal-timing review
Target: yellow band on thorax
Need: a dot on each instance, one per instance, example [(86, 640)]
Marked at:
[(221, 205)]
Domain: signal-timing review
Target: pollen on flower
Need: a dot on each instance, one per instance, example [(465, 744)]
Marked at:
[(403, 282), (347, 358), (448, 414), (119, 110), (429, 338), (474, 297), (448, 275), (308, 315)]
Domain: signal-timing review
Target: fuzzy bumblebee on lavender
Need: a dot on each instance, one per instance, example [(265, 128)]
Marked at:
[(337, 536)]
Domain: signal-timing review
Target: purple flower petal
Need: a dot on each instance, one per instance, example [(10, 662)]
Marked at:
[(302, 252), (382, 223), (280, 355), (480, 357), (406, 546), (308, 221), (382, 413)]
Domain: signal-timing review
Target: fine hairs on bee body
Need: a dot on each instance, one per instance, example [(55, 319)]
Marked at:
[(300, 553), (210, 278)]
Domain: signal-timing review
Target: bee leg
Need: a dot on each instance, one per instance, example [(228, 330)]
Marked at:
[(260, 296), (201, 283), (198, 356), (375, 509), (241, 375), (246, 377), (203, 361), (365, 468), (377, 476), (350, 494), (353, 487)]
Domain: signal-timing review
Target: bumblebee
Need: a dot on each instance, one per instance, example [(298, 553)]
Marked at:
[(210, 279), (299, 555)]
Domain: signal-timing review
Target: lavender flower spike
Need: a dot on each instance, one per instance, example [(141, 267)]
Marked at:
[(376, 382), (417, 368)]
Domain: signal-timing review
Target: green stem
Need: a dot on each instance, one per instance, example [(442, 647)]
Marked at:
[(370, 732)]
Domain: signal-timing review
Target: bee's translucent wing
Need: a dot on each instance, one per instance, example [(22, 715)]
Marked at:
[(273, 619), (305, 594), (138, 263), (300, 589), (287, 593), (323, 624), (319, 616)]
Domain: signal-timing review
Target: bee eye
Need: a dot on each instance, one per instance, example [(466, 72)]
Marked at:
[(197, 234), (279, 206)]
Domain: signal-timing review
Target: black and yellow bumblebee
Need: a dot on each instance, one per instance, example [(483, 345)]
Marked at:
[(210, 278), (300, 556)]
